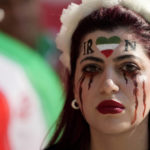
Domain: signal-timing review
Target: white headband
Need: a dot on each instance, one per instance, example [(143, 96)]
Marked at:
[(74, 13), (1, 14)]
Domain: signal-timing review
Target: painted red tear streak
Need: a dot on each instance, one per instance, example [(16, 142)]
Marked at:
[(90, 82), (144, 98), (80, 90), (135, 92), (125, 77)]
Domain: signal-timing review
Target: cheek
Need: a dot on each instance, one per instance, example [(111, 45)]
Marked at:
[(147, 95), (134, 87), (141, 98), (79, 86), (83, 89)]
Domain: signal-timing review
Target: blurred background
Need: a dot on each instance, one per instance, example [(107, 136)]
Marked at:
[(31, 76)]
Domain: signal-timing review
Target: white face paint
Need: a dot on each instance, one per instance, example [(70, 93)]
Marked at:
[(107, 45), (113, 92)]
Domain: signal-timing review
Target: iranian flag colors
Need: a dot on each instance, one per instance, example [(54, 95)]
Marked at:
[(30, 96), (107, 45)]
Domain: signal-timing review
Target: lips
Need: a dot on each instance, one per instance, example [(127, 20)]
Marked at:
[(110, 107)]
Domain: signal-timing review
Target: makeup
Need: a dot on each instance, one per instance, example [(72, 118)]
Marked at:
[(144, 98), (88, 47), (81, 80), (131, 44), (125, 77), (90, 81), (110, 107), (107, 45), (135, 92)]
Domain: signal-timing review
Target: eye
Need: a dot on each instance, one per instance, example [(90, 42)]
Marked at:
[(92, 69), (129, 67)]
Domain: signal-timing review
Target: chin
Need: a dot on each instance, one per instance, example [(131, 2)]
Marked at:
[(112, 128)]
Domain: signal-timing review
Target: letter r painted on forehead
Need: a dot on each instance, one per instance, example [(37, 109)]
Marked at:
[(131, 44), (88, 47)]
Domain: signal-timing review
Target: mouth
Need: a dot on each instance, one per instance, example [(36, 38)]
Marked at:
[(110, 107)]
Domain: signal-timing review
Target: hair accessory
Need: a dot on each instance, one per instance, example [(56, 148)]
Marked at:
[(74, 13), (1, 14), (74, 104)]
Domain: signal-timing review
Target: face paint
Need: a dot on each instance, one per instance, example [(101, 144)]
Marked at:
[(130, 44), (107, 45), (135, 92), (90, 81), (81, 80), (144, 98), (125, 77), (88, 47)]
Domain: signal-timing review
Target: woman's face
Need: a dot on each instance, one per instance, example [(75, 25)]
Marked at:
[(112, 81)]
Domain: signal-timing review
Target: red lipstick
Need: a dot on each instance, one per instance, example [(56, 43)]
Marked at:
[(110, 107)]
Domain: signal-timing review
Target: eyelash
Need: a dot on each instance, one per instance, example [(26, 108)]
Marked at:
[(91, 69), (129, 67)]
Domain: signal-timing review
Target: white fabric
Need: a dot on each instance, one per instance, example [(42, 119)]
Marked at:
[(27, 126)]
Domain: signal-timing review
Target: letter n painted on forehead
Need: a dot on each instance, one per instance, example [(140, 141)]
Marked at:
[(88, 47), (131, 44), (107, 45)]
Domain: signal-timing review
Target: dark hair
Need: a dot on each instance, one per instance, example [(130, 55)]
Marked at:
[(72, 130)]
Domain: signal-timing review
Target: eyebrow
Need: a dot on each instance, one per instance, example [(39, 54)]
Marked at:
[(93, 59), (120, 58)]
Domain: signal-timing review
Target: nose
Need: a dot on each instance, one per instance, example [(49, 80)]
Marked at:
[(109, 87)]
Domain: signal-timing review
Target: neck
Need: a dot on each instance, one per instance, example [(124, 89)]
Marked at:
[(135, 139)]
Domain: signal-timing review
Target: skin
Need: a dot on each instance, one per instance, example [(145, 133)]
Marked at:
[(124, 79)]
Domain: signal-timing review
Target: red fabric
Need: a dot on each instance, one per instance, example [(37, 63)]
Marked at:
[(50, 13), (4, 121)]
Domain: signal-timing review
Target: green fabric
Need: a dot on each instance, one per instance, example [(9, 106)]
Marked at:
[(41, 75)]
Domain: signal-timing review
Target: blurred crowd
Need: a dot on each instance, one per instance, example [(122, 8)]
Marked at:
[(31, 89)]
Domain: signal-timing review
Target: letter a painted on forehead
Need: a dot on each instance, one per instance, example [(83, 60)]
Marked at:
[(107, 45)]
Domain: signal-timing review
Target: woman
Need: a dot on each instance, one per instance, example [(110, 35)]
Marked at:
[(106, 47)]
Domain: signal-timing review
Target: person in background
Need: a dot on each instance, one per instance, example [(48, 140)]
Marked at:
[(30, 92), (22, 20)]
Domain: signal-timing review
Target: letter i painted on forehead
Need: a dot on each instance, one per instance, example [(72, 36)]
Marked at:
[(130, 44), (107, 45), (88, 47)]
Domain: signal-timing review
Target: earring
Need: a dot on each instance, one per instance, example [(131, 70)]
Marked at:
[(74, 104)]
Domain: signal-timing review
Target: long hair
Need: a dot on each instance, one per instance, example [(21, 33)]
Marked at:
[(72, 130)]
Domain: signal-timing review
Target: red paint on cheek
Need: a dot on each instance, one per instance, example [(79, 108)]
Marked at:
[(80, 89), (135, 92), (90, 81), (144, 98), (125, 77), (107, 52)]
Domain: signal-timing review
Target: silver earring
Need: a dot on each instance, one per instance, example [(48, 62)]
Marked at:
[(74, 104)]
